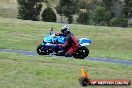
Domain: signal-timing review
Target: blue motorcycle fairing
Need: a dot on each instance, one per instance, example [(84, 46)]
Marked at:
[(51, 39), (61, 39), (54, 47)]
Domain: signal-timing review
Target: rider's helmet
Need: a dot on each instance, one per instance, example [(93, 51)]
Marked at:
[(65, 29)]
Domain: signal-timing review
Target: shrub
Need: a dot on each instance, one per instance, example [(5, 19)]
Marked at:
[(119, 22), (48, 15), (83, 18)]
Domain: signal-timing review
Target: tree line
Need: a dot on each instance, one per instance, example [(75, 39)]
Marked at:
[(90, 12)]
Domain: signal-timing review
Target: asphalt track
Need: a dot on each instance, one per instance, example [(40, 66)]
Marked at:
[(32, 53)]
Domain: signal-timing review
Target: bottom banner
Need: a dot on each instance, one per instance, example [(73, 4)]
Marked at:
[(85, 81)]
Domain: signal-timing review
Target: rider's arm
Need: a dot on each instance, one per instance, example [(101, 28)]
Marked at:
[(58, 34)]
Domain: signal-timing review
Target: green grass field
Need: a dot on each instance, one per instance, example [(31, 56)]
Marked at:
[(8, 8), (108, 42), (17, 71)]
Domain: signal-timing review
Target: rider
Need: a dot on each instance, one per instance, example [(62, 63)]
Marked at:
[(71, 44)]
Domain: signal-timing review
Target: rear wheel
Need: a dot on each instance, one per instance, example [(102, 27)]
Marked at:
[(81, 53)]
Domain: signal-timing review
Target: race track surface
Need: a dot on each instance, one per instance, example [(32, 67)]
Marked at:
[(32, 53)]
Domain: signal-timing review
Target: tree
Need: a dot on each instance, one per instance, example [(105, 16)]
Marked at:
[(68, 8), (108, 4), (29, 9), (48, 15), (117, 8), (101, 16), (127, 8)]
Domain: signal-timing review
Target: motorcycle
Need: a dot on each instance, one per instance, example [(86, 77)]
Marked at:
[(49, 46)]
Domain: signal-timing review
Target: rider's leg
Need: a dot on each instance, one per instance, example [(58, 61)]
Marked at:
[(75, 47), (69, 52)]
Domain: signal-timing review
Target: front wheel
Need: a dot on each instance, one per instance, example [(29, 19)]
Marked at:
[(81, 53), (40, 50)]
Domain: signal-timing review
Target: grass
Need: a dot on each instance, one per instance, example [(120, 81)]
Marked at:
[(108, 42), (8, 13), (17, 71), (8, 8)]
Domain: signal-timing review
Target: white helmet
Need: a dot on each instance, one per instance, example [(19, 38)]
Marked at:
[(65, 28)]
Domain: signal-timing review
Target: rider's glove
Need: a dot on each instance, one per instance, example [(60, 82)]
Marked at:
[(58, 34)]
